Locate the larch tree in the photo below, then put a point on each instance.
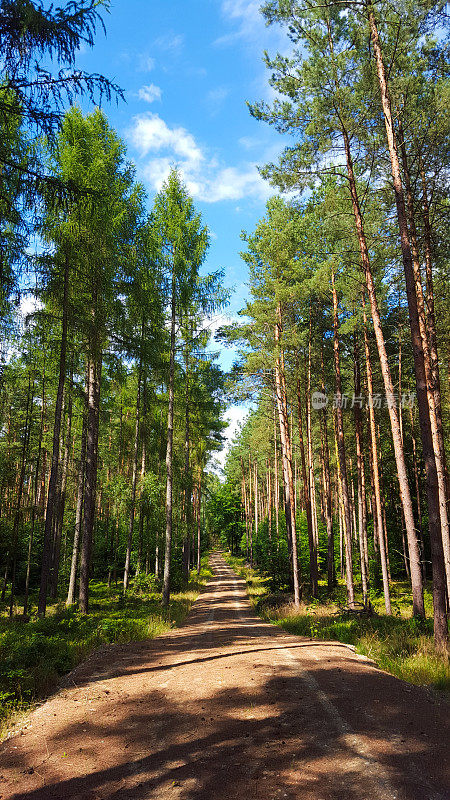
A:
(182, 243)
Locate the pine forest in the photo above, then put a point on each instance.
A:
(332, 497)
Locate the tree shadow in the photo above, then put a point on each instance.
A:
(293, 719)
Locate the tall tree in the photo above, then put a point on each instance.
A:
(182, 242)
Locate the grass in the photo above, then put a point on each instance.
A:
(398, 644)
(34, 655)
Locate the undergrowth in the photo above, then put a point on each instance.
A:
(399, 644)
(35, 654)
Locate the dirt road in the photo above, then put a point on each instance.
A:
(228, 707)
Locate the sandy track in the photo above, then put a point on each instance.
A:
(229, 707)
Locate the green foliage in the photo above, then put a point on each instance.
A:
(225, 517)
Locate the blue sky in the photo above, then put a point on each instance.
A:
(187, 70)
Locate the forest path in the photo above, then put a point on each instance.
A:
(229, 707)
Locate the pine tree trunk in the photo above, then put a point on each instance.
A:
(341, 453)
(400, 392)
(277, 483)
(437, 554)
(169, 451)
(269, 498)
(430, 375)
(35, 500)
(280, 388)
(312, 488)
(383, 513)
(431, 320)
(52, 487)
(305, 479)
(141, 504)
(59, 516)
(331, 572)
(90, 476)
(187, 483)
(157, 561)
(255, 484)
(405, 495)
(246, 509)
(416, 476)
(126, 572)
(251, 503)
(79, 507)
(199, 522)
(18, 512)
(362, 511)
(378, 516)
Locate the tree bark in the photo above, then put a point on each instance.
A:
(341, 451)
(362, 510)
(431, 320)
(126, 572)
(331, 573)
(305, 479)
(79, 507)
(52, 486)
(187, 480)
(378, 514)
(437, 554)
(280, 387)
(90, 478)
(405, 495)
(416, 476)
(61, 504)
(35, 499)
(199, 522)
(169, 451)
(277, 482)
(18, 512)
(430, 374)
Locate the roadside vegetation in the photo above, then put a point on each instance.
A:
(34, 655)
(399, 644)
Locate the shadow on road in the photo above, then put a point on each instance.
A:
(242, 711)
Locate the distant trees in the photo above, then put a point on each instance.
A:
(182, 242)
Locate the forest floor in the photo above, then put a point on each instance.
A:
(226, 707)
(35, 653)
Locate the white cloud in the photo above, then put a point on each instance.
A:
(150, 93)
(151, 133)
(205, 178)
(247, 15)
(250, 142)
(249, 29)
(233, 183)
(170, 42)
(216, 97)
(145, 63)
(218, 320)
(28, 305)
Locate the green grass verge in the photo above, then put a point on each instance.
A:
(35, 654)
(398, 644)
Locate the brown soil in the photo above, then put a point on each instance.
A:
(229, 707)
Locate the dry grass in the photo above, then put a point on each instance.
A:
(398, 644)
